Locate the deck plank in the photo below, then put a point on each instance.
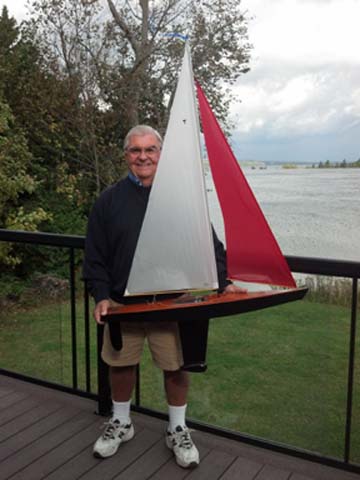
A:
(7, 400)
(26, 456)
(17, 409)
(47, 434)
(273, 473)
(26, 419)
(242, 468)
(215, 463)
(150, 462)
(296, 476)
(53, 459)
(170, 470)
(5, 391)
(42, 427)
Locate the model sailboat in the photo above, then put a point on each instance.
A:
(175, 250)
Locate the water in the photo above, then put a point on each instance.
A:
(312, 212)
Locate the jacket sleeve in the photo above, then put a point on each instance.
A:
(220, 256)
(95, 268)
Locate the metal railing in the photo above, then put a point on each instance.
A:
(72, 243)
(316, 266)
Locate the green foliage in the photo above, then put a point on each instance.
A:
(14, 161)
(15, 184)
(11, 286)
(329, 290)
(289, 166)
(343, 164)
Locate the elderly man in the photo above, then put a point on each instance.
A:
(113, 230)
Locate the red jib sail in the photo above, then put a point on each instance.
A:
(253, 254)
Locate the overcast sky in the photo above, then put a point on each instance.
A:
(301, 100)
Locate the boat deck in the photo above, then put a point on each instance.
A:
(49, 434)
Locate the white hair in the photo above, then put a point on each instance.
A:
(141, 130)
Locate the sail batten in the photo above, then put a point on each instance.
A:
(253, 254)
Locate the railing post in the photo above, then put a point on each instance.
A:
(104, 393)
(351, 371)
(73, 319)
(87, 338)
(137, 386)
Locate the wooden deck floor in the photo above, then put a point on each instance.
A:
(49, 434)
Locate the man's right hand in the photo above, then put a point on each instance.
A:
(101, 308)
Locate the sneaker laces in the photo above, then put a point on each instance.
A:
(185, 440)
(182, 438)
(110, 428)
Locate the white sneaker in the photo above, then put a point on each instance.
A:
(114, 434)
(180, 442)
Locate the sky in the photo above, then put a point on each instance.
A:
(301, 100)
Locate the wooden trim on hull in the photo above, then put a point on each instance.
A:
(208, 306)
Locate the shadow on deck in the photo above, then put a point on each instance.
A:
(49, 434)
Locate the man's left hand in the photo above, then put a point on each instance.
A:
(234, 289)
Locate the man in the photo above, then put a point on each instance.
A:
(113, 230)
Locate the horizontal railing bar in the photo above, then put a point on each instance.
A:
(324, 266)
(297, 264)
(42, 238)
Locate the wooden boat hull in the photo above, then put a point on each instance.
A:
(198, 310)
(208, 306)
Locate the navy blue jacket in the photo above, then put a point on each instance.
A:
(113, 230)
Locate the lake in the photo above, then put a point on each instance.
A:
(312, 212)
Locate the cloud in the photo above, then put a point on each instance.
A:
(304, 83)
(16, 8)
(294, 101)
(307, 31)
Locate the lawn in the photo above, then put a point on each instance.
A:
(280, 373)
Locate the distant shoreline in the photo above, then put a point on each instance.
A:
(289, 165)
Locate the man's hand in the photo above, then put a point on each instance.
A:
(101, 308)
(234, 289)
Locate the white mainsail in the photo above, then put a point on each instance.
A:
(175, 250)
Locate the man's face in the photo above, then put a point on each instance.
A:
(142, 156)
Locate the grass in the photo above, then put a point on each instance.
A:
(37, 341)
(279, 373)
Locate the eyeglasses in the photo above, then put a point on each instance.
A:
(135, 151)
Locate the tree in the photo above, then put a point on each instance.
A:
(218, 36)
(18, 184)
(123, 63)
(15, 183)
(44, 113)
(8, 32)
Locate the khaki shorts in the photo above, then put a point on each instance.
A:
(163, 340)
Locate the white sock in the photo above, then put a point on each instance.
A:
(176, 417)
(121, 411)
